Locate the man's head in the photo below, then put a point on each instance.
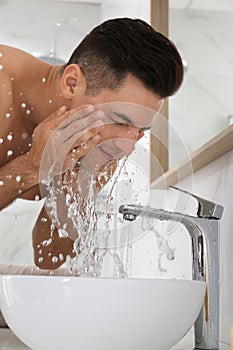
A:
(122, 60)
(121, 46)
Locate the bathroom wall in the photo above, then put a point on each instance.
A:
(43, 26)
(202, 31)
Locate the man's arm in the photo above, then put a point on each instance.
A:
(22, 172)
(50, 250)
(16, 177)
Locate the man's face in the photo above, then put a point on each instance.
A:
(128, 112)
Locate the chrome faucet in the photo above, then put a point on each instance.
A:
(204, 233)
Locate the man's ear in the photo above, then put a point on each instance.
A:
(73, 81)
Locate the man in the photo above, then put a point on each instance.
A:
(122, 60)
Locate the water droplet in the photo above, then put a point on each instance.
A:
(9, 152)
(23, 105)
(50, 101)
(47, 242)
(61, 257)
(0, 54)
(62, 233)
(54, 259)
(40, 260)
(18, 178)
(1, 66)
(24, 135)
(7, 115)
(37, 198)
(43, 220)
(43, 80)
(12, 78)
(40, 251)
(28, 111)
(1, 140)
(171, 256)
(9, 93)
(9, 137)
(1, 183)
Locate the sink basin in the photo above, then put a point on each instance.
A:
(57, 313)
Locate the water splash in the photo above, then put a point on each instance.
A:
(149, 224)
(79, 221)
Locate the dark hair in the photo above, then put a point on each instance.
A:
(124, 45)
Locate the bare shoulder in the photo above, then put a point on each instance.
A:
(15, 67)
(14, 61)
(6, 90)
(10, 115)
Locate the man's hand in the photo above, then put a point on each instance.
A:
(63, 138)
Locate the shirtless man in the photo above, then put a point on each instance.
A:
(121, 60)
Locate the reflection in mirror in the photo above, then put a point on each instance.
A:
(202, 31)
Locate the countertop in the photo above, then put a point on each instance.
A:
(8, 341)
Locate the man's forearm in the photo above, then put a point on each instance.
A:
(16, 177)
(52, 255)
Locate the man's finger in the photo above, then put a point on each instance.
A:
(73, 114)
(79, 137)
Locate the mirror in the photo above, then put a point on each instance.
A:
(202, 31)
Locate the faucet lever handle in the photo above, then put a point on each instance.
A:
(206, 209)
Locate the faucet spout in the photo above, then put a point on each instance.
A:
(204, 234)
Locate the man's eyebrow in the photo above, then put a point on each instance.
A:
(146, 128)
(124, 117)
(129, 121)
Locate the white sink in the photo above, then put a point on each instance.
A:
(58, 313)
